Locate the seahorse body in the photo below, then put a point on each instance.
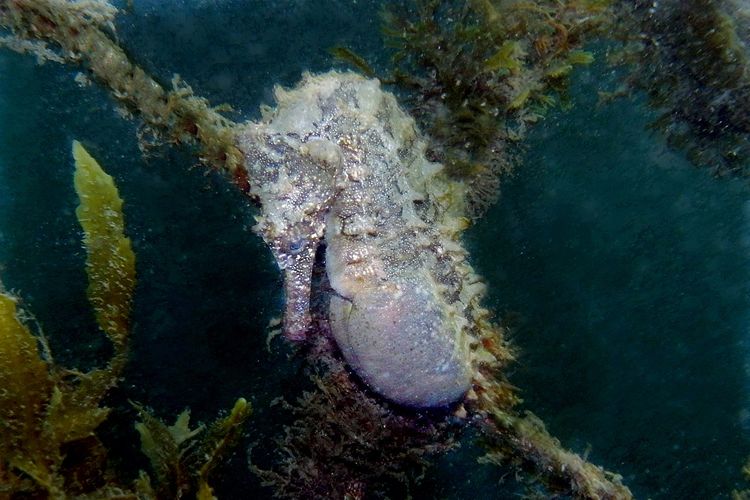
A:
(337, 159)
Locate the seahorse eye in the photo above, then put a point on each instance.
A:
(296, 246)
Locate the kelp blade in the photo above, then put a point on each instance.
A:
(25, 389)
(110, 261)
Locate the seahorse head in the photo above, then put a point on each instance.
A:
(295, 184)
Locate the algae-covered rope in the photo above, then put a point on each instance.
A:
(525, 440)
(83, 30)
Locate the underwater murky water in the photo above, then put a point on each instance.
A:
(627, 271)
(623, 269)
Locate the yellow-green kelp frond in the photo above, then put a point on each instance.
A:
(110, 261)
(220, 437)
(183, 458)
(347, 55)
(48, 414)
(745, 493)
(25, 392)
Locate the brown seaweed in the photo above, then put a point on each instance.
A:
(479, 73)
(690, 59)
(49, 414)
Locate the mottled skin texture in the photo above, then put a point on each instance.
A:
(337, 159)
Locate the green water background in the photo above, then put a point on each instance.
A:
(624, 268)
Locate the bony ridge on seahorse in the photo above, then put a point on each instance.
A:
(338, 160)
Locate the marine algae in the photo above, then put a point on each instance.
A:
(26, 460)
(110, 261)
(478, 74)
(691, 59)
(49, 414)
(183, 458)
(345, 444)
(47, 409)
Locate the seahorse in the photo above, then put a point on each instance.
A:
(338, 161)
